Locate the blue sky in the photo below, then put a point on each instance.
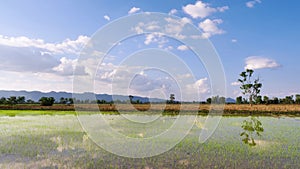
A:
(40, 40)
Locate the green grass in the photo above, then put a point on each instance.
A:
(13, 113)
(35, 141)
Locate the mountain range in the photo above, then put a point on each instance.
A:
(36, 95)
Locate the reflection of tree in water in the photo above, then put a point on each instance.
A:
(251, 128)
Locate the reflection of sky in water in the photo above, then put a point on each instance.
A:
(64, 136)
(149, 126)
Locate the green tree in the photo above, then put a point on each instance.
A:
(101, 101)
(208, 100)
(130, 98)
(249, 88)
(47, 101)
(287, 100)
(266, 99)
(275, 100)
(239, 100)
(71, 100)
(63, 100)
(29, 101)
(12, 100)
(3, 100)
(172, 98)
(258, 100)
(21, 100)
(245, 101)
(138, 101)
(297, 100)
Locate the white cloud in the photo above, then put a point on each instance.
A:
(45, 82)
(66, 47)
(145, 27)
(201, 9)
(181, 22)
(235, 83)
(149, 39)
(138, 29)
(151, 26)
(199, 88)
(182, 47)
(134, 10)
(23, 54)
(121, 79)
(173, 11)
(169, 48)
(175, 27)
(223, 8)
(210, 27)
(251, 4)
(108, 72)
(124, 79)
(258, 62)
(106, 17)
(184, 76)
(202, 85)
(23, 59)
(233, 40)
(67, 67)
(140, 81)
(154, 37)
(145, 83)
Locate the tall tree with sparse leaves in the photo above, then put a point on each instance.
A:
(250, 88)
(172, 98)
(130, 98)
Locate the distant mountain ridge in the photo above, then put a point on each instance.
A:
(36, 95)
(230, 100)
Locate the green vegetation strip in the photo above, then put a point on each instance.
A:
(12, 113)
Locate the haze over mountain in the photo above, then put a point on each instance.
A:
(36, 95)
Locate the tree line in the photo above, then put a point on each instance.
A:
(43, 101)
(49, 101)
(275, 100)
